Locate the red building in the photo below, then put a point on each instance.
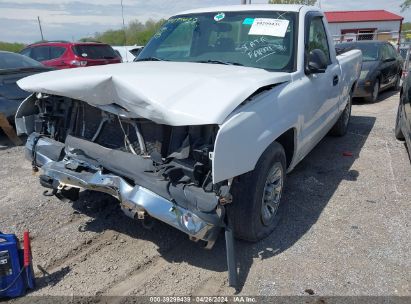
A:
(364, 25)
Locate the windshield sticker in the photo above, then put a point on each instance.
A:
(219, 17)
(248, 21)
(260, 48)
(183, 19)
(269, 27)
(160, 32)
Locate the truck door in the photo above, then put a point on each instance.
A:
(323, 88)
(389, 66)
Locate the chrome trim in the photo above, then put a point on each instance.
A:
(34, 141)
(133, 199)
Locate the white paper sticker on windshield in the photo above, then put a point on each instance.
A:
(269, 27)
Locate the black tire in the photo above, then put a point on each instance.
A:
(396, 86)
(341, 126)
(397, 131)
(375, 92)
(246, 211)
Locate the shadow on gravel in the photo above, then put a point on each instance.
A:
(50, 279)
(308, 190)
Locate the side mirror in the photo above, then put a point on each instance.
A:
(317, 62)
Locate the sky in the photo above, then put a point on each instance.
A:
(74, 19)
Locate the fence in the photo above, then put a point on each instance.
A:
(394, 37)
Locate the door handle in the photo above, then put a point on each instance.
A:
(335, 80)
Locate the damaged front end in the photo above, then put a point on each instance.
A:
(154, 170)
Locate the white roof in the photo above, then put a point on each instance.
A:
(127, 47)
(248, 7)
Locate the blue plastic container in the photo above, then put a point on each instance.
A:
(10, 267)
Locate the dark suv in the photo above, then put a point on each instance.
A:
(64, 55)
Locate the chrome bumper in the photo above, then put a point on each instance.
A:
(134, 199)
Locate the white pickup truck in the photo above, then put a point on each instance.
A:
(201, 130)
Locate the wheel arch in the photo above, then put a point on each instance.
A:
(229, 161)
(289, 141)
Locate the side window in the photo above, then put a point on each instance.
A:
(392, 51)
(56, 52)
(385, 52)
(40, 53)
(317, 37)
(26, 52)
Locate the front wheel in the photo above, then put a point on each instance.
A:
(396, 86)
(398, 132)
(375, 92)
(341, 126)
(253, 213)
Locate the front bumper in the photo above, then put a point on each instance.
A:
(136, 201)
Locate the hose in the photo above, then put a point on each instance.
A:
(14, 281)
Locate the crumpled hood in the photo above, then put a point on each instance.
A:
(172, 93)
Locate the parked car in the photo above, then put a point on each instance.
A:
(201, 130)
(405, 52)
(65, 55)
(403, 121)
(12, 68)
(128, 53)
(381, 68)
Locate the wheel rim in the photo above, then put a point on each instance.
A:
(397, 81)
(272, 194)
(375, 90)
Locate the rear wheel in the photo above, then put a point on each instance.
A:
(257, 195)
(397, 131)
(396, 85)
(375, 92)
(341, 126)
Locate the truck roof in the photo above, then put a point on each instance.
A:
(249, 7)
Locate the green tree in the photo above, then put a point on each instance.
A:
(405, 5)
(305, 2)
(135, 32)
(11, 47)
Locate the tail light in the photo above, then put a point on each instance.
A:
(404, 74)
(78, 63)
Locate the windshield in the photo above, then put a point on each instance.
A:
(251, 38)
(370, 51)
(17, 61)
(95, 51)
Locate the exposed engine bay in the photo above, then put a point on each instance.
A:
(82, 146)
(181, 151)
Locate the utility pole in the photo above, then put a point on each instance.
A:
(41, 31)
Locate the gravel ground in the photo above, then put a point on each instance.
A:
(345, 228)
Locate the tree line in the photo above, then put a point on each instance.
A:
(135, 32)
